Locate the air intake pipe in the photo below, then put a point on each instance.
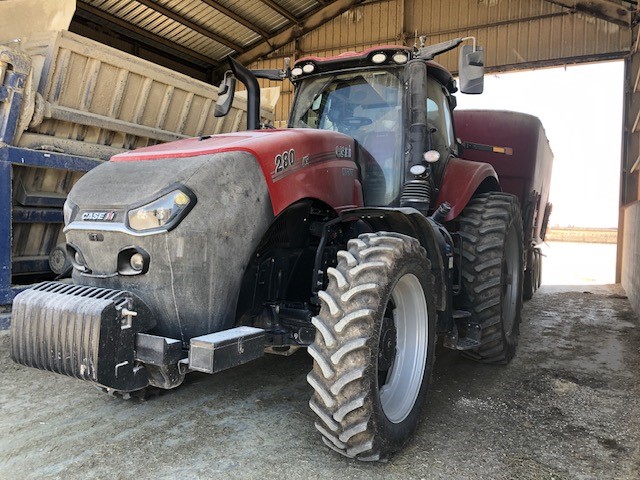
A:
(253, 93)
(416, 191)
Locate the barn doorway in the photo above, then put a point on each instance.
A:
(580, 107)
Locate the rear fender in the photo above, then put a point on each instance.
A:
(462, 179)
(409, 221)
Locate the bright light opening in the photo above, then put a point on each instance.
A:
(580, 108)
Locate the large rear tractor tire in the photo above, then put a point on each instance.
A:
(374, 347)
(492, 273)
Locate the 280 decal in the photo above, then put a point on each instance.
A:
(285, 160)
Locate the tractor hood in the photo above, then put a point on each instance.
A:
(260, 143)
(194, 263)
(194, 266)
(296, 162)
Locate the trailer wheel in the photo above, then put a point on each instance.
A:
(532, 275)
(538, 269)
(492, 273)
(530, 282)
(374, 347)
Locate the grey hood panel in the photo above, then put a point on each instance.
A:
(196, 269)
(120, 184)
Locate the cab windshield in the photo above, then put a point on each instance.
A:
(367, 106)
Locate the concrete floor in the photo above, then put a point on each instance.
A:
(566, 407)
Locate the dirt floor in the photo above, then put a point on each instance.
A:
(566, 407)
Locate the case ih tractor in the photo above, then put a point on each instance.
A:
(359, 233)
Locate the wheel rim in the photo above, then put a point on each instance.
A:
(510, 282)
(404, 378)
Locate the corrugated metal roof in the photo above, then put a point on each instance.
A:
(199, 34)
(210, 29)
(297, 7)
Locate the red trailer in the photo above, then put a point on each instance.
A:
(525, 171)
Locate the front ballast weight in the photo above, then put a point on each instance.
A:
(84, 332)
(96, 334)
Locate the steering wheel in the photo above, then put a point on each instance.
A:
(356, 122)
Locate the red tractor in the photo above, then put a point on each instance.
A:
(359, 233)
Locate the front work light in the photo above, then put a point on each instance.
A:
(378, 58)
(165, 212)
(400, 57)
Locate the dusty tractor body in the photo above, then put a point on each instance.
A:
(358, 233)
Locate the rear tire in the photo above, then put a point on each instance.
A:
(538, 269)
(532, 275)
(492, 273)
(374, 347)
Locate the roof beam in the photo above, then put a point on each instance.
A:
(603, 9)
(189, 24)
(274, 6)
(225, 11)
(313, 21)
(118, 25)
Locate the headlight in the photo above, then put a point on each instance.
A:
(67, 211)
(165, 212)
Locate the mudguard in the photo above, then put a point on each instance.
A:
(461, 180)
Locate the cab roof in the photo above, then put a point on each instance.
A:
(354, 60)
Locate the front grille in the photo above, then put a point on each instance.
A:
(79, 331)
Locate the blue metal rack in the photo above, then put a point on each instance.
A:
(14, 71)
(10, 157)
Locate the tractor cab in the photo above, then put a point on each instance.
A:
(395, 103)
(367, 106)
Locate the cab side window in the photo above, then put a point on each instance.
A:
(439, 120)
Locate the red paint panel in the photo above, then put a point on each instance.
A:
(528, 170)
(521, 172)
(316, 172)
(461, 179)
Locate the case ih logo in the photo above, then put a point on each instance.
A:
(99, 216)
(343, 151)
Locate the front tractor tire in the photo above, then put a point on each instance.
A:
(374, 347)
(492, 273)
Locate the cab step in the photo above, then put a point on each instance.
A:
(471, 330)
(466, 343)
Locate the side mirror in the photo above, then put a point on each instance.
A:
(226, 91)
(471, 69)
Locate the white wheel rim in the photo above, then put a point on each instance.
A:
(404, 380)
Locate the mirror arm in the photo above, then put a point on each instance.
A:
(473, 40)
(274, 73)
(428, 53)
